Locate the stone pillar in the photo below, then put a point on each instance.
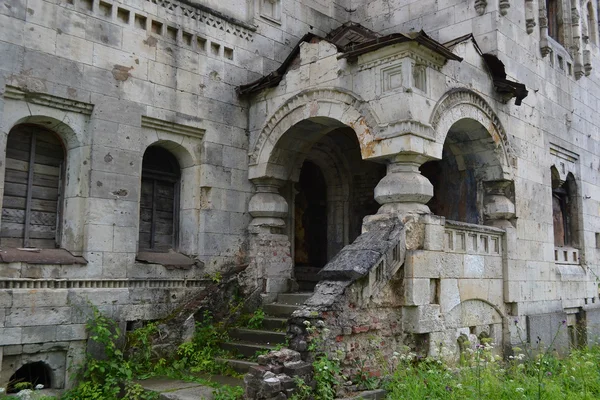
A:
(404, 190)
(271, 266)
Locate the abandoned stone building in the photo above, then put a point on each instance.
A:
(427, 170)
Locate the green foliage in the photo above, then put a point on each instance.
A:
(328, 377)
(302, 390)
(256, 320)
(110, 377)
(228, 393)
(141, 358)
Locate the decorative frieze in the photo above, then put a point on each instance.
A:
(100, 283)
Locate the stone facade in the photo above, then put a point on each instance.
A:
(480, 135)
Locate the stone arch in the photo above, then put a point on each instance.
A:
(473, 312)
(462, 104)
(326, 109)
(67, 134)
(34, 372)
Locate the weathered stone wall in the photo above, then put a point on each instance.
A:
(111, 78)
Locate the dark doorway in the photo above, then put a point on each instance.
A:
(36, 373)
(310, 225)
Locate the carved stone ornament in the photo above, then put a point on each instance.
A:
(504, 6)
(480, 6)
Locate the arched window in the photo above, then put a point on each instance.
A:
(159, 201)
(564, 210)
(553, 13)
(33, 183)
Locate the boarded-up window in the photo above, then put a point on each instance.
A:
(159, 201)
(32, 188)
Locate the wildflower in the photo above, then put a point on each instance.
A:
(520, 389)
(306, 323)
(516, 321)
(396, 354)
(459, 386)
(448, 388)
(564, 321)
(39, 386)
(548, 373)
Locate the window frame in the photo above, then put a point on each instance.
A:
(36, 130)
(157, 176)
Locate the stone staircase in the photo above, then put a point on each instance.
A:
(244, 343)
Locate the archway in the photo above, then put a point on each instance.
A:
(35, 373)
(469, 159)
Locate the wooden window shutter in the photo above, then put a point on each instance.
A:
(32, 199)
(159, 201)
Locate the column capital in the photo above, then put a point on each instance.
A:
(267, 207)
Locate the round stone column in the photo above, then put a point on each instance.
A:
(267, 207)
(404, 190)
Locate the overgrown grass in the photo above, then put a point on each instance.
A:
(483, 376)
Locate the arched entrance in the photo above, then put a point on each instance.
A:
(331, 192)
(469, 160)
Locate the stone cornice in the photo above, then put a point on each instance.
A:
(172, 127)
(407, 127)
(48, 100)
(395, 52)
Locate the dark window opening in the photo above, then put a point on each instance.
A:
(159, 201)
(36, 373)
(553, 19)
(563, 210)
(33, 183)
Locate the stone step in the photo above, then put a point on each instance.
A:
(280, 310)
(239, 366)
(246, 349)
(257, 336)
(275, 324)
(295, 299)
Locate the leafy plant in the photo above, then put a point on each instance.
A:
(228, 393)
(256, 320)
(108, 378)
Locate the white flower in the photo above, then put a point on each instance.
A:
(520, 390)
(306, 323)
(39, 386)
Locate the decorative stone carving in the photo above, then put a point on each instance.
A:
(498, 206)
(504, 6)
(529, 16)
(587, 62)
(480, 6)
(543, 15)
